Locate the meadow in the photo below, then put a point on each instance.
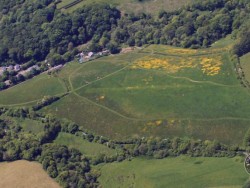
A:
(174, 172)
(31, 91)
(24, 174)
(85, 147)
(154, 91)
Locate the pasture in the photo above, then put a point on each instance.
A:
(148, 6)
(85, 147)
(174, 172)
(25, 174)
(30, 91)
(154, 91)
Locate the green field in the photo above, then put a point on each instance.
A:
(85, 147)
(155, 91)
(117, 100)
(174, 172)
(32, 90)
(148, 6)
(245, 63)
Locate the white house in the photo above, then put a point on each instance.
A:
(17, 67)
(90, 54)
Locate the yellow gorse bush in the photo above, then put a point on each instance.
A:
(211, 66)
(165, 64)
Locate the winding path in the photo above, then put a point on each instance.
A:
(72, 90)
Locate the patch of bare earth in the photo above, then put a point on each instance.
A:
(126, 50)
(25, 174)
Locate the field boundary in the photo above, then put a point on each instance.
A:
(71, 4)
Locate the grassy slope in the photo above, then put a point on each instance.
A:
(87, 148)
(216, 101)
(245, 63)
(111, 98)
(24, 174)
(32, 90)
(148, 6)
(174, 172)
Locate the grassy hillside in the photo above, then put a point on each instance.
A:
(159, 90)
(174, 172)
(32, 90)
(135, 6)
(155, 91)
(24, 174)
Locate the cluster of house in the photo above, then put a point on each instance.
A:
(17, 68)
(83, 57)
(25, 72)
(10, 68)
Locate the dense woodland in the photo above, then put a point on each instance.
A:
(35, 30)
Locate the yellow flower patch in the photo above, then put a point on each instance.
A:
(211, 66)
(100, 98)
(154, 123)
(164, 64)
